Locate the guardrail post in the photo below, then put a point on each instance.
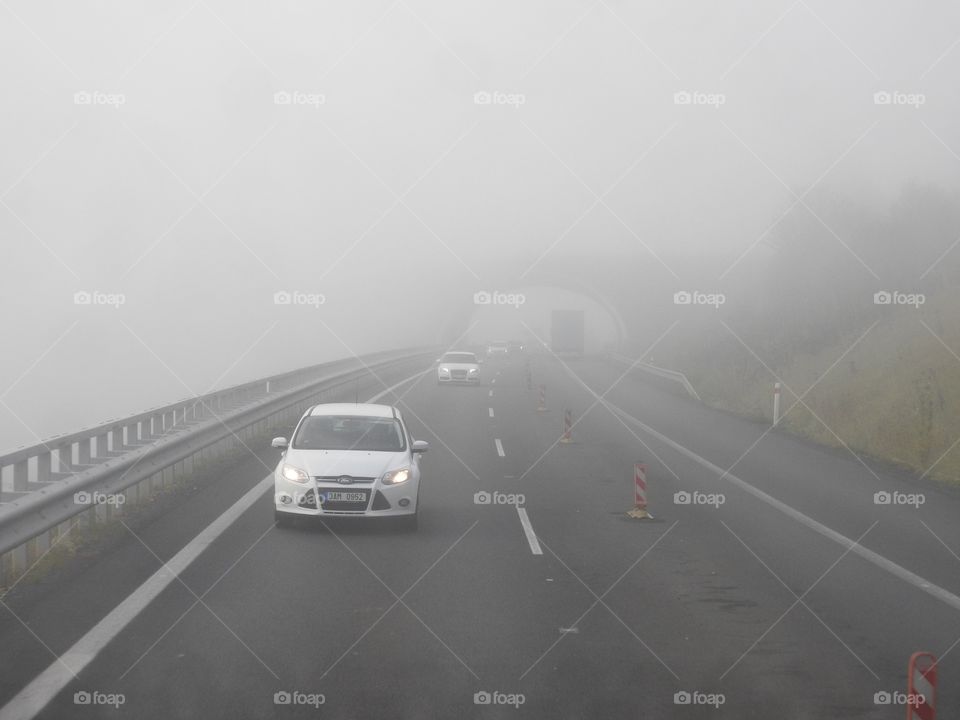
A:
(43, 466)
(83, 452)
(116, 439)
(21, 474)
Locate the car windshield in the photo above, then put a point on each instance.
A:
(459, 357)
(371, 434)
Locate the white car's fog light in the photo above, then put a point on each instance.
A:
(404, 502)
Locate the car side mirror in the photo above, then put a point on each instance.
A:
(279, 442)
(420, 446)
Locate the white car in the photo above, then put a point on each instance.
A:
(349, 460)
(458, 367)
(497, 348)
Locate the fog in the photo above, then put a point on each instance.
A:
(642, 149)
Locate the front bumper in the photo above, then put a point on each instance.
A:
(378, 501)
(468, 380)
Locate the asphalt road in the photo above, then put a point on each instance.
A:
(572, 610)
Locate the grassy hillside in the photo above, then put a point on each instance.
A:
(895, 395)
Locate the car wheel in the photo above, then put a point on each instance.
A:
(284, 520)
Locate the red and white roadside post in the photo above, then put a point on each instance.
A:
(922, 687)
(542, 407)
(567, 427)
(776, 403)
(639, 492)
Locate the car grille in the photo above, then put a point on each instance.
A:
(336, 478)
(458, 374)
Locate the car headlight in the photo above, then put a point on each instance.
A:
(395, 477)
(295, 474)
(474, 371)
(445, 370)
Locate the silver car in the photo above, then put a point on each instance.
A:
(349, 460)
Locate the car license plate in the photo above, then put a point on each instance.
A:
(337, 495)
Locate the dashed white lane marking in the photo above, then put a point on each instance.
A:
(490, 394)
(496, 441)
(880, 561)
(491, 411)
(528, 531)
(47, 685)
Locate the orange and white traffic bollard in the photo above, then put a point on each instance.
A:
(542, 407)
(567, 427)
(639, 493)
(922, 687)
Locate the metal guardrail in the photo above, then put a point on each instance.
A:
(673, 375)
(33, 521)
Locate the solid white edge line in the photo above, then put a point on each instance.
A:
(496, 441)
(36, 696)
(528, 531)
(880, 561)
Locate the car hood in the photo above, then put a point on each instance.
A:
(358, 463)
(460, 366)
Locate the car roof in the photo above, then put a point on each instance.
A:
(459, 352)
(354, 409)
